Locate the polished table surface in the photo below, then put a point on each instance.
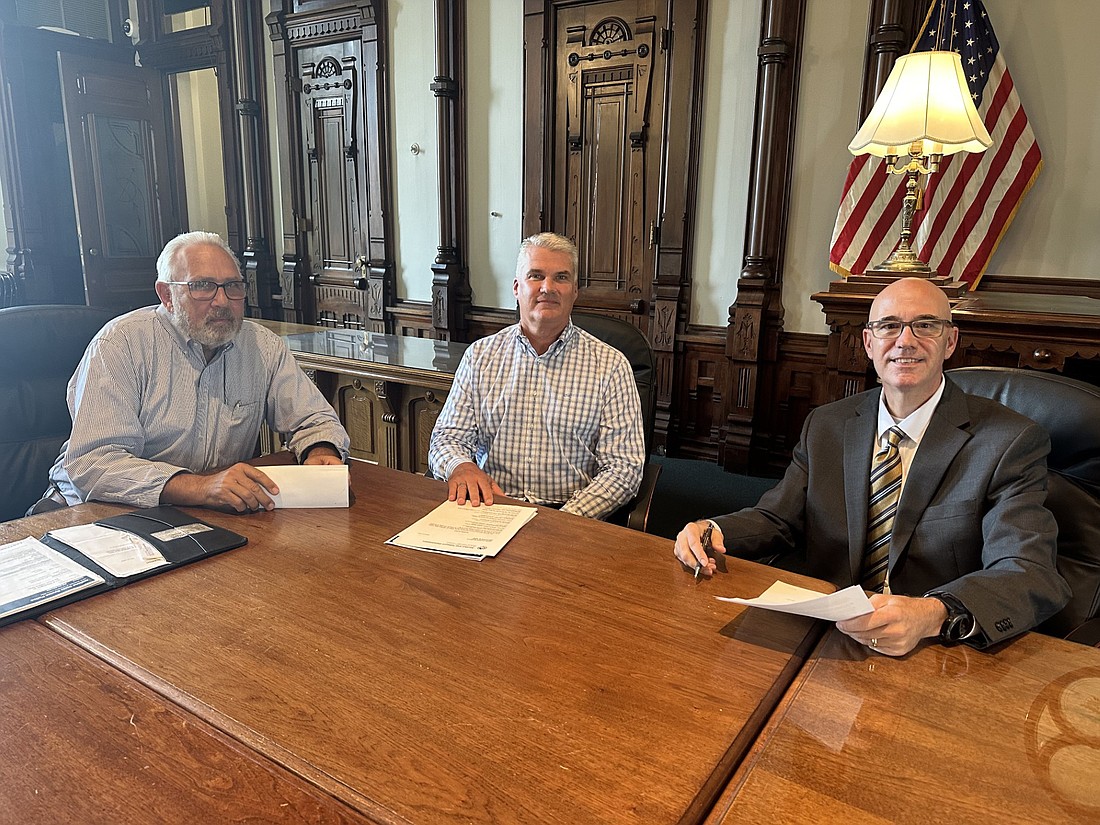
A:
(423, 361)
(580, 676)
(81, 742)
(944, 735)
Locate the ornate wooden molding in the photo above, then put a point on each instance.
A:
(450, 274)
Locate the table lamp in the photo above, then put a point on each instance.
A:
(923, 112)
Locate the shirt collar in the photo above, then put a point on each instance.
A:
(568, 335)
(913, 425)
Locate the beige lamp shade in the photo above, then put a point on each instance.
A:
(925, 100)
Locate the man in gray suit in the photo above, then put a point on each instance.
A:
(970, 556)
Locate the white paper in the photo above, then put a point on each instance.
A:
(465, 530)
(834, 607)
(309, 485)
(120, 553)
(33, 574)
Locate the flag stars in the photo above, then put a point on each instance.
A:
(970, 42)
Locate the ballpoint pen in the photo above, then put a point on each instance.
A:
(705, 541)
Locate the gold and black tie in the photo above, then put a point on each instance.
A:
(885, 492)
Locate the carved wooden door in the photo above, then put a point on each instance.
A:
(114, 123)
(607, 147)
(332, 123)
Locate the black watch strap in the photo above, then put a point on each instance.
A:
(959, 623)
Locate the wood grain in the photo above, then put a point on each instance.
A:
(944, 735)
(581, 676)
(81, 742)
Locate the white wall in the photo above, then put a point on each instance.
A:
(1047, 46)
(729, 94)
(828, 107)
(416, 177)
(494, 109)
(1050, 52)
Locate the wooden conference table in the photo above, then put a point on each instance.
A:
(580, 676)
(947, 734)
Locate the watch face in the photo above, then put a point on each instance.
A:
(958, 626)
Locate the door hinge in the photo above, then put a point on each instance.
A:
(654, 234)
(666, 39)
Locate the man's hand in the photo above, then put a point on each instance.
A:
(689, 547)
(323, 454)
(470, 483)
(242, 488)
(897, 624)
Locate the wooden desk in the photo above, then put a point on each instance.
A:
(81, 742)
(946, 735)
(387, 389)
(581, 676)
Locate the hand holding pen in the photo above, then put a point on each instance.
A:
(696, 545)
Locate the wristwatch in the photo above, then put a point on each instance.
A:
(959, 623)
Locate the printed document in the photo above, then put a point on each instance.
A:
(119, 553)
(33, 574)
(834, 607)
(464, 530)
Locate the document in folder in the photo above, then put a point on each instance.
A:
(464, 530)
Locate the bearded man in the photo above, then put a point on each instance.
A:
(168, 400)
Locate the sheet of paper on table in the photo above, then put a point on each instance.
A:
(309, 485)
(465, 531)
(834, 607)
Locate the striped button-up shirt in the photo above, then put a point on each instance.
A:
(564, 427)
(146, 405)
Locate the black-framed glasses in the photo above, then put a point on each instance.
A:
(922, 327)
(206, 290)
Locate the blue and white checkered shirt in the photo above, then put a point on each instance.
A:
(565, 426)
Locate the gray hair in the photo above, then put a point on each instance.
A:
(547, 240)
(166, 263)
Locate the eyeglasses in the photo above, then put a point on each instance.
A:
(206, 290)
(922, 328)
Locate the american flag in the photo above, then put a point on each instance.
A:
(970, 202)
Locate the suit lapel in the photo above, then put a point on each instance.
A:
(941, 443)
(859, 439)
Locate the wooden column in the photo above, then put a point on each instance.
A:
(756, 316)
(263, 281)
(287, 86)
(450, 274)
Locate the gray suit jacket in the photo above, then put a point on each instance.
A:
(971, 520)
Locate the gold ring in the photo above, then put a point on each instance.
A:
(874, 642)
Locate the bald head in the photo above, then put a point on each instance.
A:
(910, 365)
(918, 292)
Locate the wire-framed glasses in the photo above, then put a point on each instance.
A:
(922, 327)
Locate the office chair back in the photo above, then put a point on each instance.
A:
(629, 340)
(1069, 411)
(40, 347)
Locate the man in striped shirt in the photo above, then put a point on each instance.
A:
(542, 411)
(168, 400)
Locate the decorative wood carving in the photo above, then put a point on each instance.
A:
(337, 200)
(612, 106)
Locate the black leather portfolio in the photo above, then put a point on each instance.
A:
(33, 579)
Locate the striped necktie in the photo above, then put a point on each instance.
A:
(885, 492)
